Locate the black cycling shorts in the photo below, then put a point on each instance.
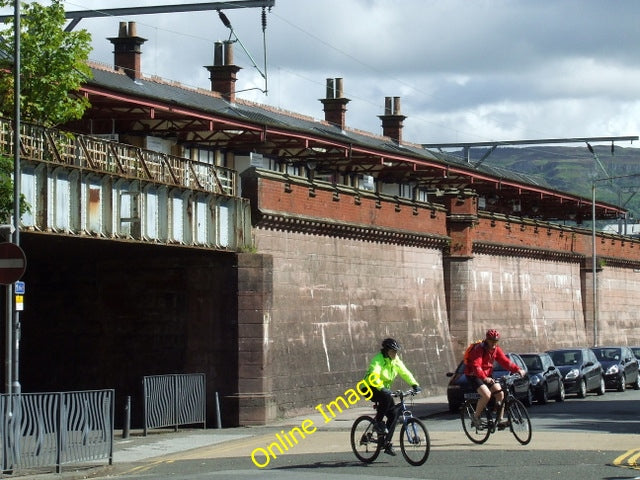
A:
(475, 382)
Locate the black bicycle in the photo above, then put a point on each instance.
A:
(517, 417)
(415, 443)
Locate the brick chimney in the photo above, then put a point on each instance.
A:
(335, 105)
(392, 119)
(126, 49)
(223, 73)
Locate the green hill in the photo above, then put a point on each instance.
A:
(573, 169)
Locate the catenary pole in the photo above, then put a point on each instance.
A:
(15, 317)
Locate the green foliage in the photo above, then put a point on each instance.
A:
(6, 191)
(53, 65)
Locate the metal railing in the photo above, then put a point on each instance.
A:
(54, 429)
(50, 145)
(173, 400)
(83, 185)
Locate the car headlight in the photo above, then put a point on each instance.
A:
(612, 370)
(535, 380)
(572, 374)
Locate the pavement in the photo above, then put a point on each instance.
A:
(163, 443)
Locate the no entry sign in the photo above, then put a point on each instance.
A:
(12, 263)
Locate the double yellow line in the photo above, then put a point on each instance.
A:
(628, 459)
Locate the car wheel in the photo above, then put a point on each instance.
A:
(601, 388)
(622, 383)
(543, 397)
(560, 397)
(529, 400)
(582, 389)
(636, 384)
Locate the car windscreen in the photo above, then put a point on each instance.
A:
(607, 354)
(564, 358)
(533, 362)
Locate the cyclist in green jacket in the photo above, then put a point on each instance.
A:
(387, 365)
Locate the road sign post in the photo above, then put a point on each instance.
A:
(12, 266)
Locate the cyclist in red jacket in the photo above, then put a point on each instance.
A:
(479, 369)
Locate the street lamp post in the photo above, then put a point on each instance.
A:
(594, 265)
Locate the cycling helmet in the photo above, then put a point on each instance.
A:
(390, 344)
(493, 334)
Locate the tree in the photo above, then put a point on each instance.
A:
(53, 65)
(6, 192)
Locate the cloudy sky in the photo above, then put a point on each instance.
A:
(466, 71)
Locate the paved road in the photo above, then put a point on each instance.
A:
(593, 438)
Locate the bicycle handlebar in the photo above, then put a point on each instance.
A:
(508, 378)
(405, 393)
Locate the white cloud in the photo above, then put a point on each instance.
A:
(466, 71)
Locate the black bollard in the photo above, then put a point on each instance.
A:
(127, 418)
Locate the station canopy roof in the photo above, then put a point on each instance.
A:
(204, 119)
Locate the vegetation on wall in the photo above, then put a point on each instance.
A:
(6, 191)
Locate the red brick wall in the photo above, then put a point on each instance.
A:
(341, 205)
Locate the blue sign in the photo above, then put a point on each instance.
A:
(19, 288)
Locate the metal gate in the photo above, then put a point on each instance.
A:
(173, 400)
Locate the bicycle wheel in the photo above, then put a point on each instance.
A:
(415, 443)
(364, 440)
(476, 434)
(519, 422)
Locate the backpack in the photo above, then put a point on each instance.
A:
(465, 358)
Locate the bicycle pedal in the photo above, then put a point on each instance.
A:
(502, 425)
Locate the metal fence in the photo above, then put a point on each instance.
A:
(173, 400)
(54, 429)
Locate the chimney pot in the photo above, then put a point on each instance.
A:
(388, 106)
(330, 88)
(133, 31)
(228, 53)
(217, 54)
(396, 105)
(339, 93)
(122, 30)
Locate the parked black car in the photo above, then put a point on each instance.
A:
(636, 352)
(458, 385)
(546, 379)
(581, 370)
(620, 367)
